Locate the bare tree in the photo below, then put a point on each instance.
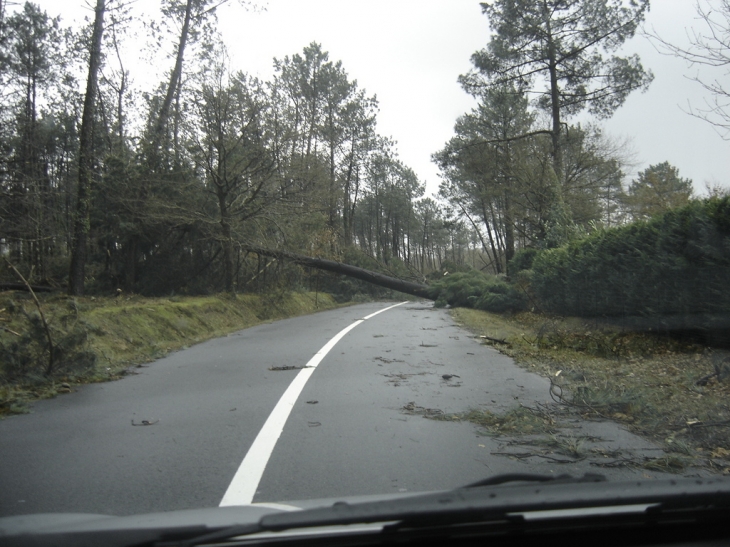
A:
(709, 46)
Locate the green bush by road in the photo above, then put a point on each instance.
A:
(674, 268)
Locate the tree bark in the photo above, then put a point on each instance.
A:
(415, 289)
(86, 150)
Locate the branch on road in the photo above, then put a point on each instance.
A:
(146, 422)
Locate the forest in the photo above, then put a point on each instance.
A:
(181, 189)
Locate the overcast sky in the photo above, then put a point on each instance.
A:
(410, 52)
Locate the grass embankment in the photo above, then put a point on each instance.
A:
(112, 334)
(656, 386)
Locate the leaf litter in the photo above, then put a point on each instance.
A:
(672, 392)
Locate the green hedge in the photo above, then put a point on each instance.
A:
(675, 266)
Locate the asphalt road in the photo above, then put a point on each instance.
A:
(356, 428)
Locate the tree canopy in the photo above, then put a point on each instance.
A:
(213, 180)
(561, 54)
(657, 189)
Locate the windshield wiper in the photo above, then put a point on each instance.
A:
(492, 500)
(532, 477)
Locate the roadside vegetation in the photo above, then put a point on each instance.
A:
(630, 324)
(674, 392)
(535, 219)
(95, 339)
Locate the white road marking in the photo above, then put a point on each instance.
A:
(246, 480)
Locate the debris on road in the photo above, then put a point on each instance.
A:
(413, 408)
(146, 422)
(384, 360)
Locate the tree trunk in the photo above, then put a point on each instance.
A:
(555, 107)
(495, 253)
(415, 289)
(175, 77)
(130, 263)
(227, 245)
(86, 145)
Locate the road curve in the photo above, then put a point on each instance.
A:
(357, 427)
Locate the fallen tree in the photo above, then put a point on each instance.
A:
(24, 287)
(408, 287)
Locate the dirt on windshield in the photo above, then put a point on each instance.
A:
(673, 394)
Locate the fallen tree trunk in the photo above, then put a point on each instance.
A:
(23, 287)
(415, 289)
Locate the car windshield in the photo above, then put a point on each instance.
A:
(268, 252)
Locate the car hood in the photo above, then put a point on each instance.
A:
(204, 518)
(572, 497)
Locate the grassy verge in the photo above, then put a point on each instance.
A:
(112, 334)
(647, 382)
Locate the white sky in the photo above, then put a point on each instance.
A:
(410, 52)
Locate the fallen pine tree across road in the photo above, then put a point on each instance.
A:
(408, 287)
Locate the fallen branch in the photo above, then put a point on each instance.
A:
(51, 348)
(720, 373)
(705, 379)
(518, 455)
(24, 287)
(622, 462)
(524, 455)
(724, 423)
(557, 396)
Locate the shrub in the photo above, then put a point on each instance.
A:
(27, 356)
(522, 260)
(673, 269)
(474, 289)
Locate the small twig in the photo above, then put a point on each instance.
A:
(706, 379)
(6, 329)
(497, 340)
(146, 422)
(558, 398)
(544, 414)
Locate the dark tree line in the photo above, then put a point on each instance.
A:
(181, 188)
(171, 190)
